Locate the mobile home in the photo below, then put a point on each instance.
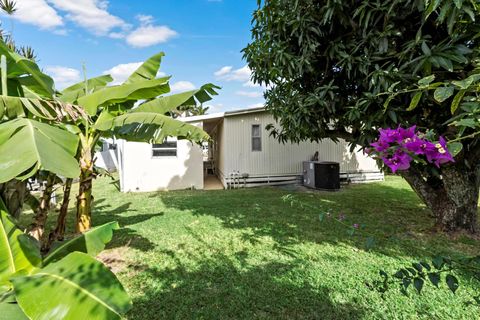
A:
(241, 153)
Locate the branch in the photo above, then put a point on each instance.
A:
(342, 134)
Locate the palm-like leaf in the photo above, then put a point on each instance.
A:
(36, 145)
(76, 287)
(14, 107)
(148, 70)
(149, 126)
(34, 79)
(146, 89)
(91, 242)
(11, 310)
(166, 104)
(72, 93)
(18, 251)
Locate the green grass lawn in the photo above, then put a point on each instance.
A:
(246, 254)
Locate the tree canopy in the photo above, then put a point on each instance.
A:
(346, 68)
(327, 62)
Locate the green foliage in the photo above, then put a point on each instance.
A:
(145, 89)
(441, 270)
(328, 64)
(91, 242)
(17, 249)
(36, 145)
(76, 287)
(26, 72)
(112, 110)
(69, 284)
(30, 122)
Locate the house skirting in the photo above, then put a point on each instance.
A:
(237, 181)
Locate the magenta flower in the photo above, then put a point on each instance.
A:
(388, 135)
(440, 154)
(404, 135)
(380, 146)
(356, 226)
(399, 161)
(398, 147)
(419, 146)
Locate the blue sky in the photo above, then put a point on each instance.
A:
(202, 40)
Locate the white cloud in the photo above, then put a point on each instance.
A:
(182, 86)
(249, 94)
(229, 74)
(63, 76)
(90, 14)
(223, 71)
(116, 35)
(93, 16)
(122, 71)
(38, 13)
(145, 19)
(149, 35)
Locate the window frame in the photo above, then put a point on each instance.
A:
(164, 147)
(259, 137)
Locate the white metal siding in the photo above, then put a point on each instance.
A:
(221, 155)
(140, 171)
(278, 159)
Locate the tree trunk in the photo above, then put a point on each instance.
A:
(453, 198)
(85, 199)
(37, 228)
(13, 194)
(59, 233)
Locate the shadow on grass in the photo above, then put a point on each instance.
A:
(221, 288)
(396, 217)
(125, 236)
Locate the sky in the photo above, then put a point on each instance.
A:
(202, 40)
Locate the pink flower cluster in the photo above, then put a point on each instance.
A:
(398, 147)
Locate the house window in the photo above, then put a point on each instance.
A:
(166, 149)
(256, 138)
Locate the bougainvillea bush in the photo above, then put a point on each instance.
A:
(397, 148)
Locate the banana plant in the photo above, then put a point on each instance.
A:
(31, 122)
(77, 285)
(32, 127)
(136, 110)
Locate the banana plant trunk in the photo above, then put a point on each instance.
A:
(37, 228)
(87, 174)
(13, 194)
(58, 234)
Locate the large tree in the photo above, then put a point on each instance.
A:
(328, 65)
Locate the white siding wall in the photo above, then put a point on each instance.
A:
(278, 159)
(140, 172)
(221, 156)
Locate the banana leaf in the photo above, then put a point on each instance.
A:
(139, 90)
(11, 310)
(150, 127)
(72, 93)
(14, 107)
(35, 146)
(165, 104)
(76, 287)
(18, 251)
(148, 70)
(17, 66)
(91, 242)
